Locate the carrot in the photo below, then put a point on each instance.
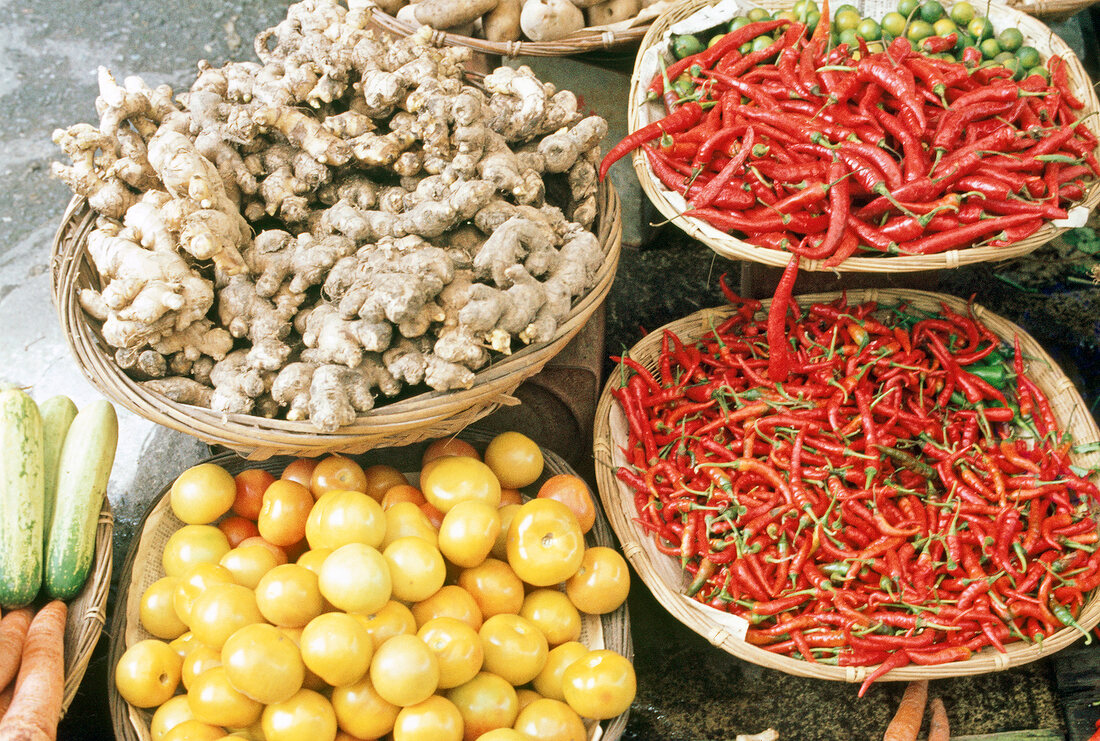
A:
(906, 722)
(938, 729)
(36, 704)
(5, 699)
(13, 631)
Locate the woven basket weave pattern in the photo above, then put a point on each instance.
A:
(663, 576)
(672, 205)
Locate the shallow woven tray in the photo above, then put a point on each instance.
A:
(88, 610)
(421, 417)
(672, 204)
(662, 574)
(143, 566)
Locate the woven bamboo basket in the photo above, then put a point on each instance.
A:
(1051, 10)
(88, 610)
(143, 566)
(671, 204)
(420, 417)
(662, 574)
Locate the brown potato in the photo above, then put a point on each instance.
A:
(612, 11)
(549, 20)
(444, 14)
(502, 22)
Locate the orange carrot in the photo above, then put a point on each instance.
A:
(5, 699)
(13, 631)
(36, 704)
(938, 729)
(906, 723)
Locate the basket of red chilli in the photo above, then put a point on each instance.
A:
(915, 499)
(966, 140)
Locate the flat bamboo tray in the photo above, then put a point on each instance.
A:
(88, 610)
(421, 417)
(662, 573)
(143, 566)
(671, 204)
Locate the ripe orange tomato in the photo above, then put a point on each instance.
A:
(402, 493)
(602, 582)
(486, 702)
(380, 479)
(202, 494)
(545, 544)
(494, 586)
(514, 648)
(192, 545)
(337, 473)
(300, 470)
(148, 673)
(251, 485)
(392, 619)
(453, 479)
(435, 517)
(573, 493)
(289, 596)
(342, 516)
(450, 601)
(548, 681)
(214, 700)
(356, 578)
(600, 684)
(277, 551)
(361, 711)
(434, 719)
(446, 446)
(306, 716)
(515, 459)
(263, 663)
(404, 671)
(550, 720)
(553, 614)
(283, 516)
(510, 496)
(468, 531)
(456, 646)
(238, 528)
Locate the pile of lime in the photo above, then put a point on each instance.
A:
(917, 21)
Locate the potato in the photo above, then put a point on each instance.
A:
(386, 6)
(443, 14)
(407, 14)
(586, 3)
(612, 11)
(549, 20)
(502, 22)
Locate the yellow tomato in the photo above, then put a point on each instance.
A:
(548, 682)
(404, 671)
(337, 473)
(554, 615)
(202, 494)
(248, 563)
(405, 519)
(340, 517)
(446, 446)
(502, 734)
(457, 648)
(278, 551)
(221, 611)
(602, 582)
(168, 716)
(380, 479)
(307, 716)
(545, 544)
(457, 479)
(184, 644)
(284, 512)
(289, 595)
(468, 532)
(486, 702)
(450, 601)
(194, 730)
(361, 711)
(550, 720)
(526, 696)
(337, 648)
(156, 611)
(311, 681)
(148, 673)
(355, 578)
(402, 493)
(214, 700)
(500, 545)
(510, 496)
(515, 459)
(197, 661)
(194, 582)
(434, 719)
(313, 558)
(600, 684)
(392, 619)
(417, 570)
(192, 545)
(494, 586)
(573, 493)
(514, 648)
(263, 663)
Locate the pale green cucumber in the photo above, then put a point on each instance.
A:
(58, 413)
(21, 498)
(84, 469)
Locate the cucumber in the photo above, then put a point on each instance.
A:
(22, 489)
(57, 414)
(85, 466)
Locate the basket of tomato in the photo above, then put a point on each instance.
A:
(299, 598)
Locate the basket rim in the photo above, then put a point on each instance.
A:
(638, 548)
(437, 412)
(125, 718)
(671, 205)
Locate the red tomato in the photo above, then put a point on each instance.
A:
(285, 512)
(300, 470)
(251, 485)
(237, 529)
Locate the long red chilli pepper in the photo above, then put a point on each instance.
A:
(779, 357)
(681, 119)
(712, 189)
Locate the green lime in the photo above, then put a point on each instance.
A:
(850, 37)
(1013, 64)
(745, 48)
(1010, 39)
(980, 28)
(919, 30)
(844, 7)
(760, 43)
(990, 48)
(834, 39)
(962, 13)
(684, 87)
(715, 39)
(799, 8)
(1029, 57)
(946, 56)
(847, 19)
(739, 22)
(758, 14)
(1042, 72)
(945, 27)
(1003, 57)
(787, 15)
(812, 19)
(893, 23)
(964, 41)
(931, 11)
(869, 30)
(686, 45)
(906, 7)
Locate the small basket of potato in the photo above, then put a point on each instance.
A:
(548, 28)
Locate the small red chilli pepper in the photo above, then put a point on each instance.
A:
(681, 119)
(779, 350)
(712, 189)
